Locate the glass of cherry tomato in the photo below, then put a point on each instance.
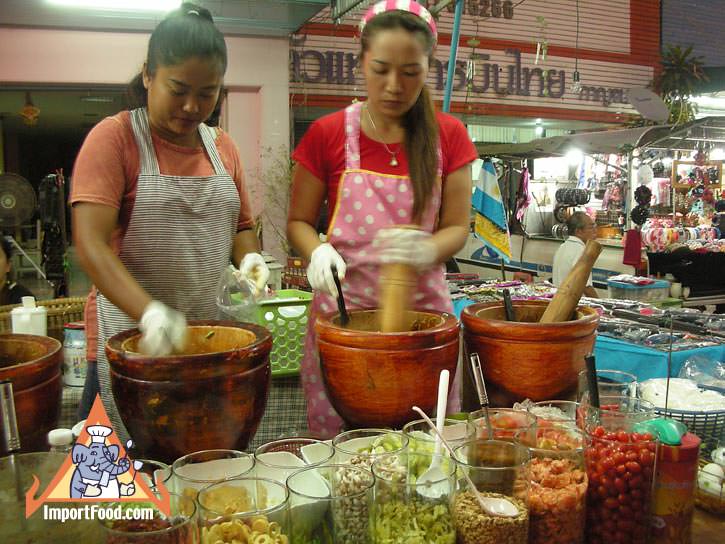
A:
(620, 466)
(507, 424)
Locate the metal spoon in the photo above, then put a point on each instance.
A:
(493, 506)
(481, 390)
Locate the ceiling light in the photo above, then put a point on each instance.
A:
(667, 162)
(539, 130)
(717, 154)
(103, 99)
(124, 5)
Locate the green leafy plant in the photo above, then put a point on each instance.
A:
(677, 80)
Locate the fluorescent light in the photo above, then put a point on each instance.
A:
(539, 130)
(103, 99)
(124, 5)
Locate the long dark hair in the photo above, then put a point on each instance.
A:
(186, 32)
(421, 127)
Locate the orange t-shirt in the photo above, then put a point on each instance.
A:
(106, 172)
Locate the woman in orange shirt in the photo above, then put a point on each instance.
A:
(159, 200)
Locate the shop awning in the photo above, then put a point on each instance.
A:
(682, 137)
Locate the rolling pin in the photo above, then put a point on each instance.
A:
(397, 285)
(570, 291)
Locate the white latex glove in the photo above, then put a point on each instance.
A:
(254, 269)
(406, 246)
(319, 271)
(163, 328)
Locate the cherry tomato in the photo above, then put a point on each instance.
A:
(646, 458)
(620, 484)
(647, 436)
(611, 503)
(599, 431)
(623, 437)
(636, 493)
(621, 469)
(634, 467)
(636, 482)
(632, 456)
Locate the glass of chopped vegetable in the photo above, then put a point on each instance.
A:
(362, 446)
(555, 411)
(331, 504)
(422, 439)
(506, 423)
(407, 509)
(557, 499)
(233, 510)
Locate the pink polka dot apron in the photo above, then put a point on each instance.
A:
(367, 202)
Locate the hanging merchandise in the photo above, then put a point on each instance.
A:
(645, 174)
(640, 214)
(491, 222)
(523, 197)
(643, 195)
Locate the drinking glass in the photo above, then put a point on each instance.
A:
(506, 423)
(231, 510)
(331, 504)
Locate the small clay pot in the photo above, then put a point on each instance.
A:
(32, 363)
(375, 381)
(527, 359)
(201, 400)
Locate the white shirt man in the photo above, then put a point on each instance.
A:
(581, 229)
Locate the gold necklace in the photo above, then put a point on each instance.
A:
(393, 154)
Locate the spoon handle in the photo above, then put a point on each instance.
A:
(441, 408)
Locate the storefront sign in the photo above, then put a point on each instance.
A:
(492, 78)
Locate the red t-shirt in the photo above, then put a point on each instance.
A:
(322, 150)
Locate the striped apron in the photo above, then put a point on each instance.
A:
(178, 242)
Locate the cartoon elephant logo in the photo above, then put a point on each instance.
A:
(98, 467)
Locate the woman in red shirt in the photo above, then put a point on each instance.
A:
(391, 160)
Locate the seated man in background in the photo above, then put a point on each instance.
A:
(581, 228)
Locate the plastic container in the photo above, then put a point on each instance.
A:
(674, 492)
(285, 316)
(658, 290)
(61, 440)
(192, 472)
(408, 510)
(499, 470)
(29, 318)
(75, 364)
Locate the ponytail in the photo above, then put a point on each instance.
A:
(421, 146)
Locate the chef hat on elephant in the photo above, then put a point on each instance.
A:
(99, 433)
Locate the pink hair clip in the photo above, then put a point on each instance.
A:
(404, 5)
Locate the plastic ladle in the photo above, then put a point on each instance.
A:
(492, 506)
(432, 483)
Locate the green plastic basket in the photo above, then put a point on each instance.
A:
(286, 318)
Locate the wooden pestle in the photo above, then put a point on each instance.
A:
(397, 286)
(570, 291)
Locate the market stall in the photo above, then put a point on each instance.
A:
(591, 172)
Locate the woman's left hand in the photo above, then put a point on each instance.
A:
(406, 246)
(256, 270)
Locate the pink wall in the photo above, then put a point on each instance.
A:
(257, 115)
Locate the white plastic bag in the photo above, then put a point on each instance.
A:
(235, 298)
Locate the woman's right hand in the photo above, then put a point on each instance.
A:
(319, 272)
(163, 328)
